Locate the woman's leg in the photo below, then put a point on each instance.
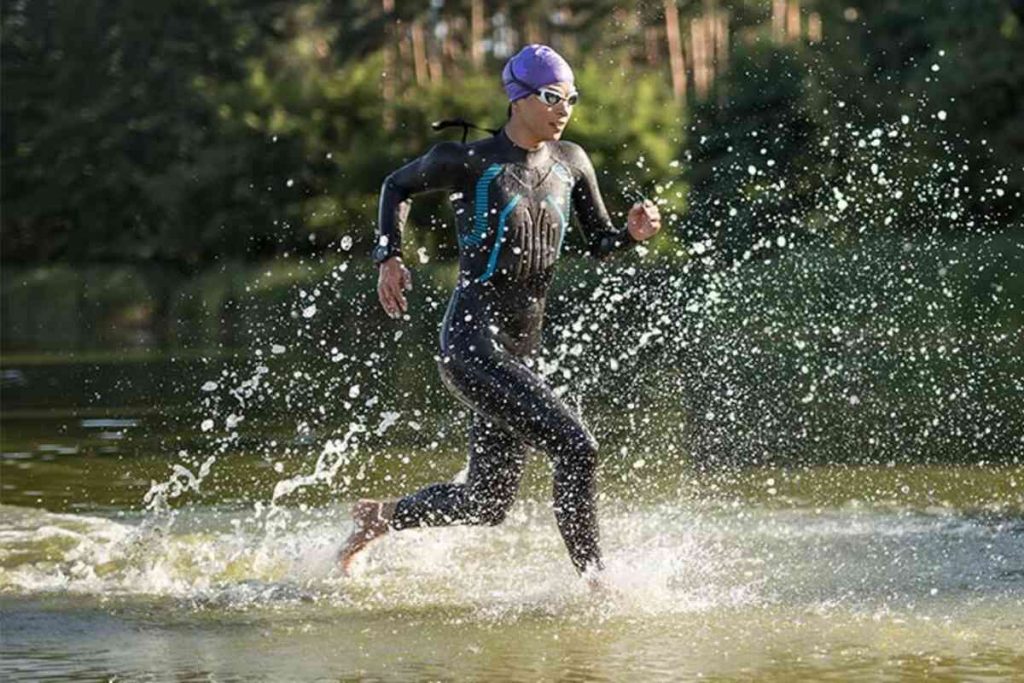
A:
(500, 387)
(495, 468)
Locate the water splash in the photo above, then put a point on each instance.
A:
(663, 560)
(869, 317)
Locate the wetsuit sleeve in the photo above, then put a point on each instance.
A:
(602, 236)
(440, 168)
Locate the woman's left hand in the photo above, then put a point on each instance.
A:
(644, 220)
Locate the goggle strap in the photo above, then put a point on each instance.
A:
(464, 124)
(535, 91)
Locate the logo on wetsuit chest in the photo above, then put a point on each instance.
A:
(519, 220)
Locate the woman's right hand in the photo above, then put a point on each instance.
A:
(393, 279)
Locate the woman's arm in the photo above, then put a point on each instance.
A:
(440, 168)
(601, 235)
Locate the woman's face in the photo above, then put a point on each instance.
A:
(546, 122)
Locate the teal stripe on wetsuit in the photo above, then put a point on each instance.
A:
(481, 203)
(561, 219)
(566, 175)
(492, 263)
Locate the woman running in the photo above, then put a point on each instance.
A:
(513, 194)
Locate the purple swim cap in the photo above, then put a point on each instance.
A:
(534, 66)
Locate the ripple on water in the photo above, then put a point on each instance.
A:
(769, 593)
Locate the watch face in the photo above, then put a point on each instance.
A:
(380, 252)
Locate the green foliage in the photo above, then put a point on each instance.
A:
(188, 133)
(876, 129)
(761, 118)
(358, 150)
(918, 58)
(109, 150)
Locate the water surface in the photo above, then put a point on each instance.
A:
(857, 573)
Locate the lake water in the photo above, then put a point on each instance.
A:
(869, 573)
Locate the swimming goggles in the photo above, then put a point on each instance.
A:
(548, 96)
(552, 98)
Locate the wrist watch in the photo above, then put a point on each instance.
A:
(382, 252)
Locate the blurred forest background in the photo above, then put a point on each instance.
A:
(178, 136)
(172, 172)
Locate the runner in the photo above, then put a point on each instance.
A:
(513, 194)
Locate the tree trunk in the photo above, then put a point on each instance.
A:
(435, 65)
(388, 82)
(419, 54)
(533, 34)
(721, 50)
(675, 50)
(701, 71)
(793, 30)
(476, 32)
(405, 58)
(651, 45)
(779, 21)
(161, 281)
(723, 40)
(814, 27)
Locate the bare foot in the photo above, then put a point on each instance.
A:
(599, 585)
(371, 519)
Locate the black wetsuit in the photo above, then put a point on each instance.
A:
(512, 210)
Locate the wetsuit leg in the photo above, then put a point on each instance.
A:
(500, 386)
(495, 468)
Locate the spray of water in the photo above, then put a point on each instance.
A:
(826, 336)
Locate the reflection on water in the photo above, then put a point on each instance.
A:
(283, 644)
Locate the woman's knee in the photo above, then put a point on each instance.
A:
(578, 451)
(492, 510)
